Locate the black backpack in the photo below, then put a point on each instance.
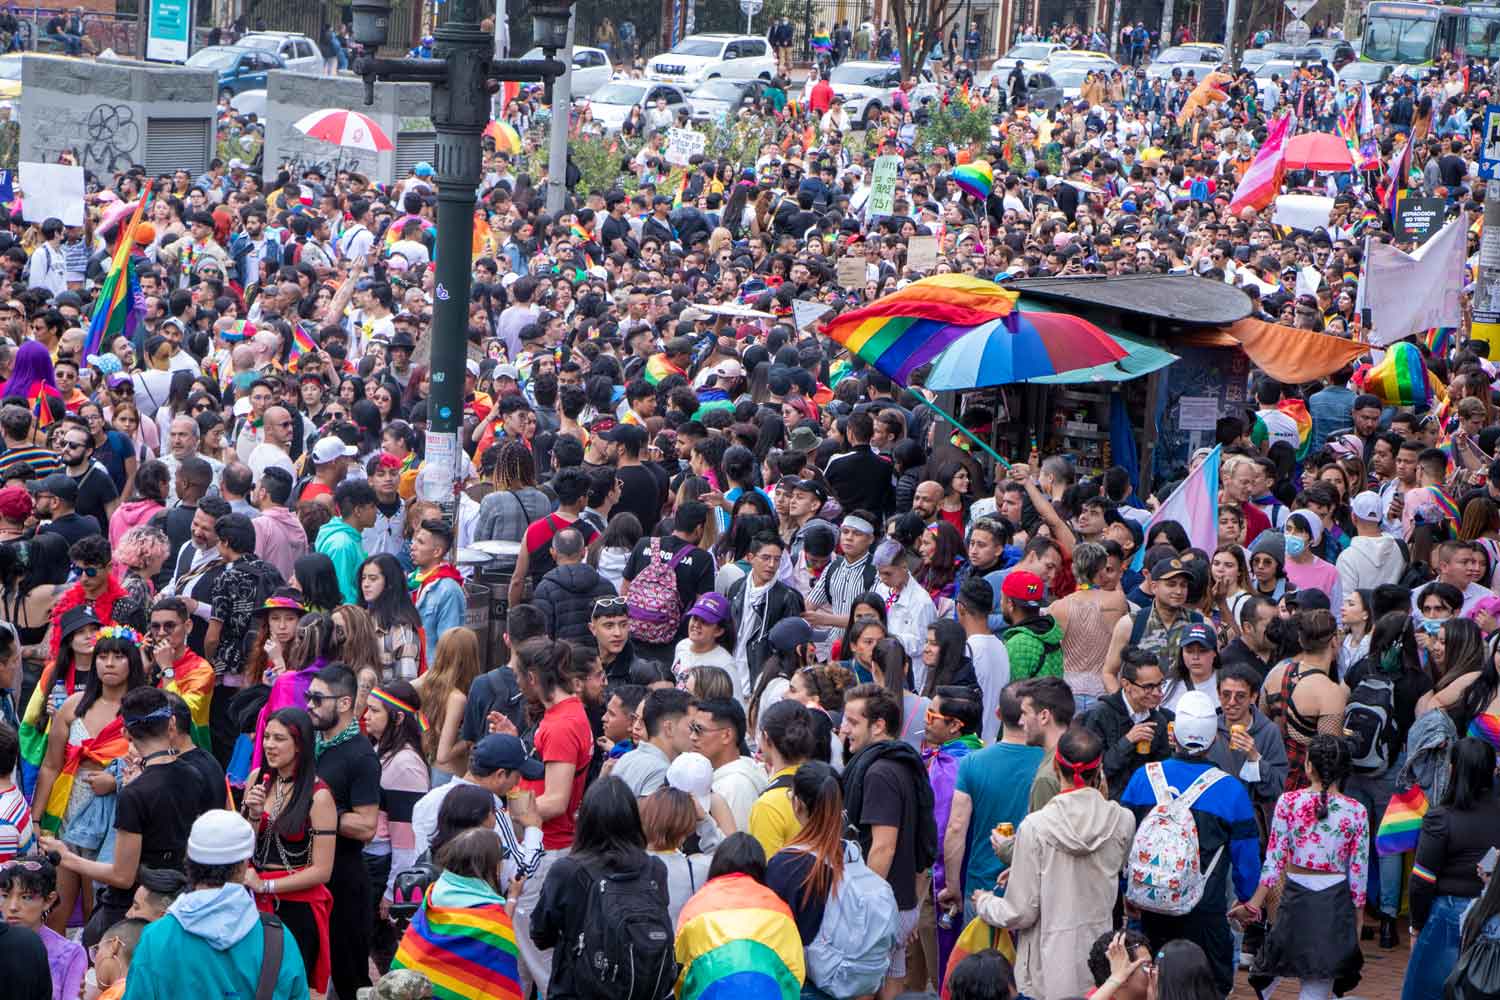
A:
(1370, 719)
(625, 949)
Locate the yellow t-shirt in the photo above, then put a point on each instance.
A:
(772, 821)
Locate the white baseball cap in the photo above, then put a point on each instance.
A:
(692, 773)
(1197, 723)
(330, 448)
(1366, 506)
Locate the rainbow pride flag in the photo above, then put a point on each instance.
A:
(736, 940)
(120, 303)
(1438, 340)
(581, 233)
(302, 343)
(1402, 378)
(977, 936)
(658, 368)
(110, 744)
(1297, 410)
(465, 952)
(822, 42)
(1444, 502)
(39, 408)
(1402, 822)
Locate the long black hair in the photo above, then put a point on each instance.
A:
(1183, 973)
(1473, 773)
(293, 819)
(608, 829)
(318, 581)
(405, 727)
(93, 688)
(1329, 757)
(952, 649)
(464, 808)
(393, 606)
(1481, 691)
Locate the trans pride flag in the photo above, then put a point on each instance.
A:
(1194, 505)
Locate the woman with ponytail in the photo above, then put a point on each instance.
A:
(1319, 843)
(808, 869)
(1077, 843)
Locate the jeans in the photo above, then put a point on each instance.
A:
(1436, 950)
(1374, 792)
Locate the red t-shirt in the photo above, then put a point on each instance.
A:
(1255, 521)
(563, 737)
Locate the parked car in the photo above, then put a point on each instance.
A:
(298, 52)
(716, 100)
(591, 69)
(1337, 51)
(1033, 54)
(1042, 89)
(866, 88)
(240, 67)
(703, 57)
(1371, 74)
(612, 102)
(1198, 57)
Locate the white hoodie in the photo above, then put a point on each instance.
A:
(1369, 561)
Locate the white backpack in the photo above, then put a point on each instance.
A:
(851, 953)
(1164, 874)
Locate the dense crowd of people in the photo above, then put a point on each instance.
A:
(731, 665)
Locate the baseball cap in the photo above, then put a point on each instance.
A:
(220, 837)
(1196, 723)
(1020, 585)
(59, 485)
(812, 486)
(790, 633)
(330, 449)
(692, 773)
(1164, 569)
(1200, 635)
(504, 752)
(507, 371)
(1366, 506)
(712, 607)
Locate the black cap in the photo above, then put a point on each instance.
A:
(59, 485)
(503, 752)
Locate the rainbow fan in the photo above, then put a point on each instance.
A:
(506, 138)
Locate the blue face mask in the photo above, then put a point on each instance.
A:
(1432, 626)
(1295, 546)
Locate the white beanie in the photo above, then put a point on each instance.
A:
(220, 837)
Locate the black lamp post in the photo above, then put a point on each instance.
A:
(464, 74)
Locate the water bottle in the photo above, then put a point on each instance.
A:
(57, 697)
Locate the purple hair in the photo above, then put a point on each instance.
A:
(32, 365)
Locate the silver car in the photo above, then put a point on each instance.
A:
(721, 99)
(298, 51)
(591, 68)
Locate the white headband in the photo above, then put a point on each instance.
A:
(859, 524)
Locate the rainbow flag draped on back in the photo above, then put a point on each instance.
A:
(821, 42)
(977, 936)
(108, 745)
(1297, 410)
(906, 329)
(120, 301)
(1402, 823)
(467, 953)
(658, 368)
(736, 940)
(35, 719)
(1402, 378)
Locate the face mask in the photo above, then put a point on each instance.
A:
(1295, 546)
(1432, 625)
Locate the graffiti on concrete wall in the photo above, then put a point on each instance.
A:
(111, 137)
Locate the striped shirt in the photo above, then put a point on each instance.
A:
(525, 854)
(16, 834)
(43, 461)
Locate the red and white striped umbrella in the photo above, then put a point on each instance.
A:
(345, 128)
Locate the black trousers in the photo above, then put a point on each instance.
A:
(383, 938)
(350, 925)
(1210, 931)
(221, 725)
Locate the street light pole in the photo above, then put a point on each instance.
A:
(463, 73)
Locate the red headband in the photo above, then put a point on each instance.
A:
(1077, 769)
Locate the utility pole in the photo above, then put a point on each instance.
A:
(464, 74)
(557, 145)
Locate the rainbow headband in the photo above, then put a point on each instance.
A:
(393, 702)
(120, 632)
(274, 603)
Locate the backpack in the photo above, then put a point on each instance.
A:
(625, 948)
(654, 604)
(852, 951)
(1164, 873)
(1369, 719)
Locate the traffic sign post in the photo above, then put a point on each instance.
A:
(1489, 146)
(1297, 32)
(1299, 8)
(751, 8)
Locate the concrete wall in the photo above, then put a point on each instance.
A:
(113, 115)
(402, 110)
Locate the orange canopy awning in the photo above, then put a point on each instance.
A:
(1288, 354)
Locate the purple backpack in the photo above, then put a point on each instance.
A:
(654, 604)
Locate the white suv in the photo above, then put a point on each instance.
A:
(299, 52)
(705, 57)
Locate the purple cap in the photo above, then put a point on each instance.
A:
(712, 607)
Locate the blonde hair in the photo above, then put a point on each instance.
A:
(453, 668)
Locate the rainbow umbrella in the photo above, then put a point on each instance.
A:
(1032, 342)
(975, 178)
(507, 139)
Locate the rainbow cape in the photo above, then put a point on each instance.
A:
(977, 936)
(302, 343)
(821, 42)
(120, 304)
(1402, 378)
(581, 233)
(658, 368)
(1444, 502)
(906, 329)
(466, 952)
(34, 723)
(1297, 410)
(736, 940)
(192, 680)
(1402, 822)
(108, 745)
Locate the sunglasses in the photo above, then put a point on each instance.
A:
(316, 700)
(610, 605)
(88, 571)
